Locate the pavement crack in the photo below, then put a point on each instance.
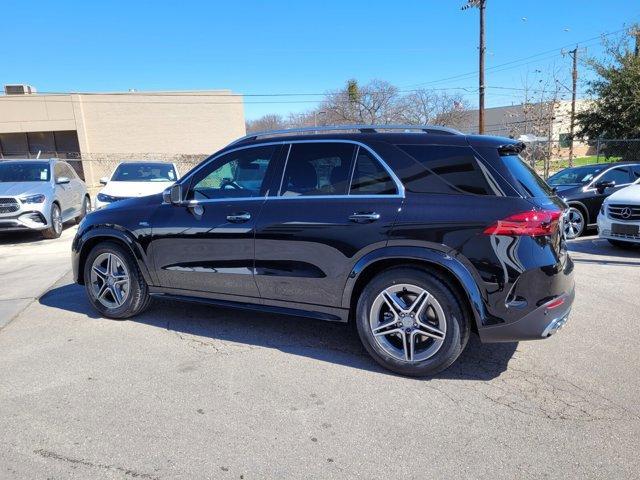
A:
(80, 461)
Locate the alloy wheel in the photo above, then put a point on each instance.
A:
(56, 220)
(408, 323)
(574, 223)
(110, 280)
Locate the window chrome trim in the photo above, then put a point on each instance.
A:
(394, 177)
(590, 187)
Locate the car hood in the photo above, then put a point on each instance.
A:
(134, 189)
(630, 194)
(23, 188)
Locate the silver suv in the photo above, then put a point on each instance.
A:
(40, 195)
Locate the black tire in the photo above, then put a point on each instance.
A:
(622, 244)
(457, 325)
(138, 298)
(86, 208)
(55, 229)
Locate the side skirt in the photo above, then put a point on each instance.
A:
(339, 316)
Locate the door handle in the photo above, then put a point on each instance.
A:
(240, 217)
(364, 217)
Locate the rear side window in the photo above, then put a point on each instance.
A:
(450, 170)
(370, 178)
(528, 181)
(636, 172)
(318, 169)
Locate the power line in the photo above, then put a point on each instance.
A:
(475, 72)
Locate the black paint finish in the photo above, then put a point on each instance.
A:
(308, 254)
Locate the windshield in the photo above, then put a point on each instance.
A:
(576, 175)
(24, 172)
(144, 172)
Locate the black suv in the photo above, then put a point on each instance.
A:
(418, 235)
(584, 189)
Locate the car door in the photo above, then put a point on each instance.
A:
(336, 202)
(76, 188)
(621, 176)
(206, 244)
(63, 191)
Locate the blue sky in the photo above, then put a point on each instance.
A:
(256, 47)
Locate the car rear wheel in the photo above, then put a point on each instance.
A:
(411, 322)
(114, 283)
(86, 208)
(55, 223)
(574, 223)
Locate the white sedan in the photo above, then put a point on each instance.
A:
(619, 218)
(136, 179)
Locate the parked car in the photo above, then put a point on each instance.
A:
(584, 189)
(619, 219)
(40, 195)
(419, 238)
(135, 179)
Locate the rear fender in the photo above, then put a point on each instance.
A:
(438, 258)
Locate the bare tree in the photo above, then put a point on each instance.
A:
(271, 121)
(425, 107)
(375, 102)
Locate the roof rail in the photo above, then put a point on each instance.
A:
(346, 128)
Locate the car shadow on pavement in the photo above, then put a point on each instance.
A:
(600, 247)
(212, 328)
(19, 237)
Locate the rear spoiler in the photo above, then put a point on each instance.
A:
(511, 148)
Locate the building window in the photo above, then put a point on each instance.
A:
(565, 140)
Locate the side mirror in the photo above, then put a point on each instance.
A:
(602, 185)
(175, 194)
(62, 180)
(104, 180)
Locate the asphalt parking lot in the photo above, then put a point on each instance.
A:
(190, 391)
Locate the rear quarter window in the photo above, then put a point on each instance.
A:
(527, 181)
(450, 169)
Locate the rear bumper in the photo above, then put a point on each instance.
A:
(541, 323)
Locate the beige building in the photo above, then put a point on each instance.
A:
(539, 121)
(103, 128)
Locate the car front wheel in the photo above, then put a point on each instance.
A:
(114, 283)
(574, 223)
(411, 322)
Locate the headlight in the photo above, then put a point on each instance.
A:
(106, 198)
(603, 208)
(39, 198)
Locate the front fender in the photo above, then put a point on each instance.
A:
(85, 239)
(442, 259)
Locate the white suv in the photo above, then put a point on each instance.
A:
(619, 218)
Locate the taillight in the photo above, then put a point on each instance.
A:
(534, 223)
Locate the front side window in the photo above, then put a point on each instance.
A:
(318, 169)
(636, 172)
(618, 175)
(238, 174)
(144, 172)
(450, 170)
(24, 172)
(370, 178)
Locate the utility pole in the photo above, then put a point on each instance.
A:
(574, 86)
(480, 4)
